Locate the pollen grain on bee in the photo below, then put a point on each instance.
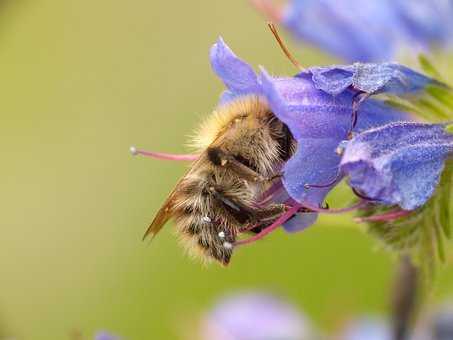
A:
(227, 245)
(206, 219)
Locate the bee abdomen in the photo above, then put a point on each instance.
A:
(203, 235)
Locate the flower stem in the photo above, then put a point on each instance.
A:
(404, 298)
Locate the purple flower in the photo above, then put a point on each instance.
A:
(373, 30)
(437, 325)
(318, 106)
(103, 335)
(367, 329)
(442, 324)
(398, 164)
(254, 316)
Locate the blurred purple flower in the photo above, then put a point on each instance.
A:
(442, 324)
(318, 106)
(367, 329)
(437, 325)
(254, 316)
(398, 164)
(103, 335)
(373, 30)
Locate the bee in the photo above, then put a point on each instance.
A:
(242, 147)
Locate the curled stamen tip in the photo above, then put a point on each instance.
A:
(222, 234)
(133, 150)
(307, 186)
(227, 245)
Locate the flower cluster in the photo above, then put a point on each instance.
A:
(322, 106)
(389, 160)
(373, 30)
(345, 128)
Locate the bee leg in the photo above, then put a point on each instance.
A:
(260, 218)
(287, 215)
(245, 214)
(221, 158)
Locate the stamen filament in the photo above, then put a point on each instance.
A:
(283, 47)
(161, 155)
(353, 207)
(389, 216)
(325, 185)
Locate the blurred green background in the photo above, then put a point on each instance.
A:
(83, 80)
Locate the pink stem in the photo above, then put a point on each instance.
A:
(389, 216)
(278, 222)
(353, 207)
(166, 156)
(269, 10)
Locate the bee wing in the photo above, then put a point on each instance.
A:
(162, 217)
(166, 211)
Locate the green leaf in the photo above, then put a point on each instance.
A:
(424, 233)
(443, 95)
(428, 67)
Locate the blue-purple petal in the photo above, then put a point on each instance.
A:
(315, 162)
(103, 335)
(300, 222)
(337, 27)
(427, 22)
(238, 76)
(255, 316)
(390, 78)
(398, 164)
(319, 122)
(371, 31)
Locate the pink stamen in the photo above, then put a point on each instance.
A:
(166, 156)
(353, 207)
(269, 10)
(389, 216)
(278, 222)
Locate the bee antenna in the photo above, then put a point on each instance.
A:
(282, 45)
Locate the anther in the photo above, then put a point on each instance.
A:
(206, 219)
(227, 245)
(222, 234)
(133, 150)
